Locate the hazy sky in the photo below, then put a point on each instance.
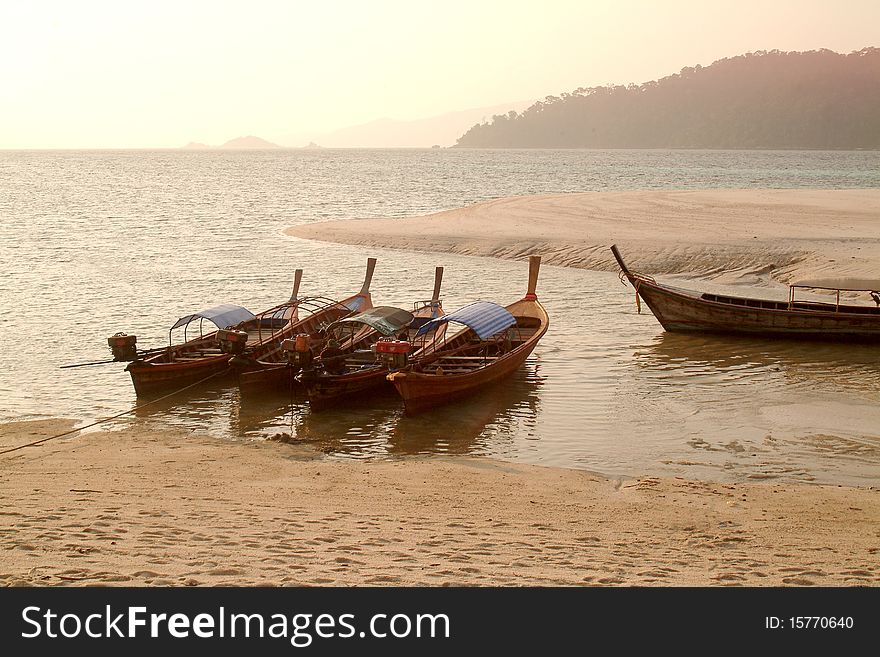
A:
(89, 74)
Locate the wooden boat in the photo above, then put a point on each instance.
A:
(239, 333)
(685, 310)
(494, 342)
(275, 368)
(369, 345)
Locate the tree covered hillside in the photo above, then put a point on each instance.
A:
(808, 100)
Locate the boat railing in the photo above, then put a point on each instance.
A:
(822, 305)
(278, 318)
(433, 303)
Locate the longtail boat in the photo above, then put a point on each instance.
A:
(239, 334)
(278, 366)
(679, 309)
(367, 346)
(494, 342)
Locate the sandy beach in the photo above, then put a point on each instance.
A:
(140, 507)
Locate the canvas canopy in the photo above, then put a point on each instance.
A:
(385, 319)
(485, 318)
(224, 315)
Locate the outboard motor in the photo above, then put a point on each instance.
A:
(232, 341)
(123, 347)
(394, 354)
(299, 353)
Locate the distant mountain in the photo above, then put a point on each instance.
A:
(240, 143)
(441, 130)
(786, 100)
(249, 142)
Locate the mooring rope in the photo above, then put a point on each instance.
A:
(113, 417)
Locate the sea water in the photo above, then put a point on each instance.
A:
(95, 242)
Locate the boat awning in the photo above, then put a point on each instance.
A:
(484, 317)
(847, 284)
(385, 319)
(224, 315)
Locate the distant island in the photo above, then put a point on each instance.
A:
(765, 100)
(240, 143)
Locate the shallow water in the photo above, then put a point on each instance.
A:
(94, 243)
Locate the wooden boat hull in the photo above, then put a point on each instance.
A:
(326, 392)
(464, 363)
(421, 392)
(162, 372)
(677, 311)
(267, 376)
(680, 310)
(149, 378)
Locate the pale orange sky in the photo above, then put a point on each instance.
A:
(90, 74)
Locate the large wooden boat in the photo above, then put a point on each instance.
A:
(686, 310)
(239, 334)
(494, 342)
(368, 345)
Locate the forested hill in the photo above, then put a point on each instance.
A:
(809, 100)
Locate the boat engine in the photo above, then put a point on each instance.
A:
(232, 341)
(123, 347)
(299, 353)
(394, 354)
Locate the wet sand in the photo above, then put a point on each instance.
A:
(140, 508)
(728, 235)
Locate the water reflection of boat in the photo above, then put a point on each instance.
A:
(222, 409)
(685, 310)
(380, 427)
(854, 366)
(212, 406)
(501, 407)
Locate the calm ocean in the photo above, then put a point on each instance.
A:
(95, 242)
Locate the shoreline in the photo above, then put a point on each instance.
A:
(166, 508)
(730, 236)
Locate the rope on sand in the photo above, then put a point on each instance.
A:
(113, 417)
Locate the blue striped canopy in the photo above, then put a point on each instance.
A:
(485, 318)
(224, 315)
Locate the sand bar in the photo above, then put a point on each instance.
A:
(729, 235)
(135, 507)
